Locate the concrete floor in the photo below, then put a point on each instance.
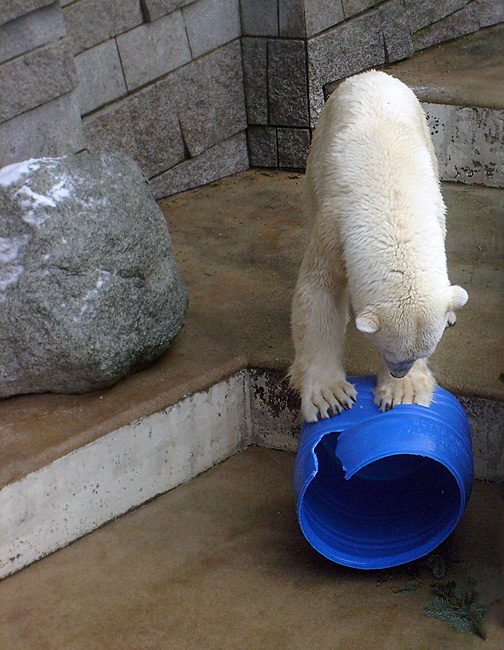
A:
(238, 243)
(220, 563)
(465, 72)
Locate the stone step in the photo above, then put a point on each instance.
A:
(460, 86)
(69, 463)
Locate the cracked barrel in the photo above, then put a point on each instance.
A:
(375, 490)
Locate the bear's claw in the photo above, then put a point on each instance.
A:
(319, 402)
(415, 388)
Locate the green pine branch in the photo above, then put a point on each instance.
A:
(458, 608)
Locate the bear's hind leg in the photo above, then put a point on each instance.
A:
(415, 388)
(319, 318)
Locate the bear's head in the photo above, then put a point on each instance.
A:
(409, 329)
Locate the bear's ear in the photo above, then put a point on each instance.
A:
(367, 321)
(458, 298)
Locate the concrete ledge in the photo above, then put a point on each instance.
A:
(465, 72)
(459, 85)
(98, 482)
(238, 244)
(79, 492)
(468, 143)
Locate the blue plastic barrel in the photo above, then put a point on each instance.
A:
(375, 490)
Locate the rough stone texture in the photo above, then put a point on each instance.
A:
(287, 83)
(111, 129)
(468, 143)
(396, 33)
(28, 32)
(353, 7)
(457, 24)
(11, 9)
(488, 12)
(36, 78)
(486, 418)
(156, 127)
(210, 24)
(291, 18)
(89, 285)
(89, 24)
(226, 158)
(425, 12)
(322, 14)
(293, 146)
(345, 50)
(259, 17)
(274, 411)
(101, 76)
(209, 97)
(154, 9)
(137, 125)
(262, 146)
(255, 79)
(152, 50)
(52, 129)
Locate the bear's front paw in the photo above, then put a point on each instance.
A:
(416, 388)
(321, 400)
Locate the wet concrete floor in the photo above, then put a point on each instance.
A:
(220, 563)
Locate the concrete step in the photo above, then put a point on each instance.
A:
(460, 85)
(69, 463)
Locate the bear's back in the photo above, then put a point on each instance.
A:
(374, 95)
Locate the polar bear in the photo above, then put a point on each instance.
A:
(376, 248)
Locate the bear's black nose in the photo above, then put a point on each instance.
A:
(401, 369)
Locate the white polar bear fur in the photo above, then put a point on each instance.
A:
(376, 245)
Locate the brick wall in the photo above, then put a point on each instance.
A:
(184, 85)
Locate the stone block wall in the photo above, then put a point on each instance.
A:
(162, 80)
(39, 111)
(292, 49)
(198, 89)
(159, 79)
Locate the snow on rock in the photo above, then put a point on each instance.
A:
(88, 283)
(12, 173)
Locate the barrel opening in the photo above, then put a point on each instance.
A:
(395, 507)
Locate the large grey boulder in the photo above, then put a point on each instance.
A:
(89, 289)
